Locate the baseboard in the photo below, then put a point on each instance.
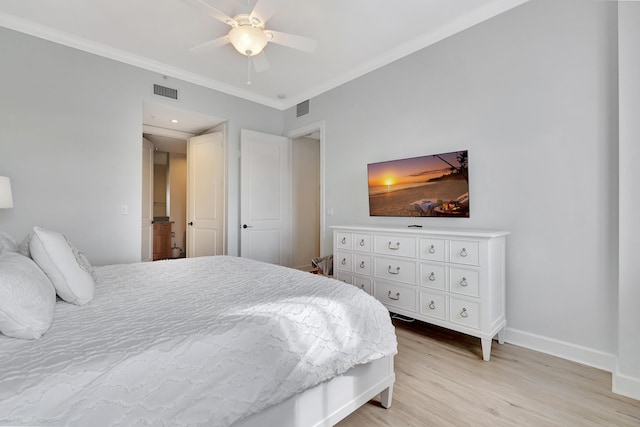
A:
(564, 350)
(626, 386)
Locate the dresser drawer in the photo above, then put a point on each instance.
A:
(395, 245)
(433, 276)
(464, 252)
(433, 305)
(432, 249)
(344, 261)
(344, 240)
(399, 270)
(395, 295)
(362, 264)
(344, 277)
(465, 282)
(362, 242)
(363, 283)
(464, 313)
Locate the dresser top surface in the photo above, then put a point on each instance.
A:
(430, 231)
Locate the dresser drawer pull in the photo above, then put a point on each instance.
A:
(362, 242)
(432, 277)
(344, 240)
(432, 249)
(463, 252)
(394, 272)
(362, 264)
(396, 298)
(394, 248)
(432, 305)
(344, 261)
(464, 282)
(464, 313)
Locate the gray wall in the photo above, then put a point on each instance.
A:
(532, 95)
(70, 139)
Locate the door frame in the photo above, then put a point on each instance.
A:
(222, 127)
(300, 132)
(148, 192)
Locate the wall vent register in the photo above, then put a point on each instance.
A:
(447, 277)
(167, 92)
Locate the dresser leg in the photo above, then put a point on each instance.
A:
(501, 334)
(486, 348)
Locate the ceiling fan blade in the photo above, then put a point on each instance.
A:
(220, 41)
(260, 62)
(291, 40)
(265, 9)
(206, 8)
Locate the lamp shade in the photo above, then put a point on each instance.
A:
(248, 40)
(6, 199)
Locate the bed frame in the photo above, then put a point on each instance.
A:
(331, 401)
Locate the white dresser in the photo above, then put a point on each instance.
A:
(448, 277)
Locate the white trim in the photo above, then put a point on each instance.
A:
(462, 23)
(155, 130)
(66, 39)
(564, 350)
(625, 385)
(302, 131)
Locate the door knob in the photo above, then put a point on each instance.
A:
(246, 226)
(190, 223)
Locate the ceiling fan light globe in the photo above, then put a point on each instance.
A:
(247, 40)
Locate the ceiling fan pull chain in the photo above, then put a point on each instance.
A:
(248, 70)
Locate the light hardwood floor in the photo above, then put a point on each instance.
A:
(441, 380)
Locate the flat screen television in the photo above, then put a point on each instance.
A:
(436, 185)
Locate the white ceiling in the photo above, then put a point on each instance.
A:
(353, 38)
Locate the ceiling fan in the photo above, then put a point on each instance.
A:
(248, 34)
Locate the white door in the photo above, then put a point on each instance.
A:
(147, 200)
(265, 197)
(205, 195)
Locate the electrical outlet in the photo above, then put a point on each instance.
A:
(124, 209)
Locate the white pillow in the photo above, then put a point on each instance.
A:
(7, 244)
(55, 256)
(27, 297)
(23, 247)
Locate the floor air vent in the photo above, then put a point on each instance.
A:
(165, 91)
(302, 108)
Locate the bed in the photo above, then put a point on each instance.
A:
(213, 341)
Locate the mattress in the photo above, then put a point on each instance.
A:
(197, 341)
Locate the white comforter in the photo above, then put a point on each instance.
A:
(189, 342)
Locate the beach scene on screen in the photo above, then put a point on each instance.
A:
(433, 185)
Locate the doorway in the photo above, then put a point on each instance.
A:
(307, 194)
(169, 196)
(166, 135)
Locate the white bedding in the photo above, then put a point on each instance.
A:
(187, 342)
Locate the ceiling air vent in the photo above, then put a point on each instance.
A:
(165, 91)
(302, 108)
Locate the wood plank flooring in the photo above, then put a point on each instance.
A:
(441, 380)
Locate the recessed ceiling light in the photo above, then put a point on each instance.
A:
(174, 121)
